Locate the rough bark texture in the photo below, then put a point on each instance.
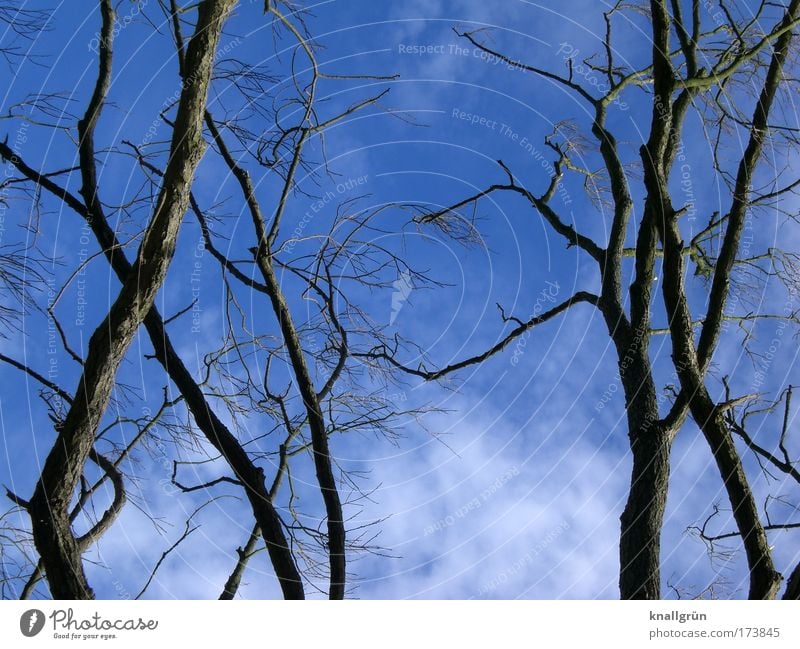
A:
(643, 516)
(793, 584)
(764, 578)
(215, 431)
(49, 505)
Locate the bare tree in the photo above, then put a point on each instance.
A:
(695, 68)
(298, 380)
(60, 551)
(298, 361)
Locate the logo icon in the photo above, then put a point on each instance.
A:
(31, 622)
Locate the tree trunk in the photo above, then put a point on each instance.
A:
(316, 423)
(49, 505)
(643, 516)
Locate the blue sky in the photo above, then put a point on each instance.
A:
(515, 491)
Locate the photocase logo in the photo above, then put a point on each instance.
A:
(401, 290)
(31, 622)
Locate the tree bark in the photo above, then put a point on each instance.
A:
(49, 505)
(650, 442)
(316, 422)
(689, 361)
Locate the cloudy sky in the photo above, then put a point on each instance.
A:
(514, 489)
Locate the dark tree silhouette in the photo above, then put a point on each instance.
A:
(694, 68)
